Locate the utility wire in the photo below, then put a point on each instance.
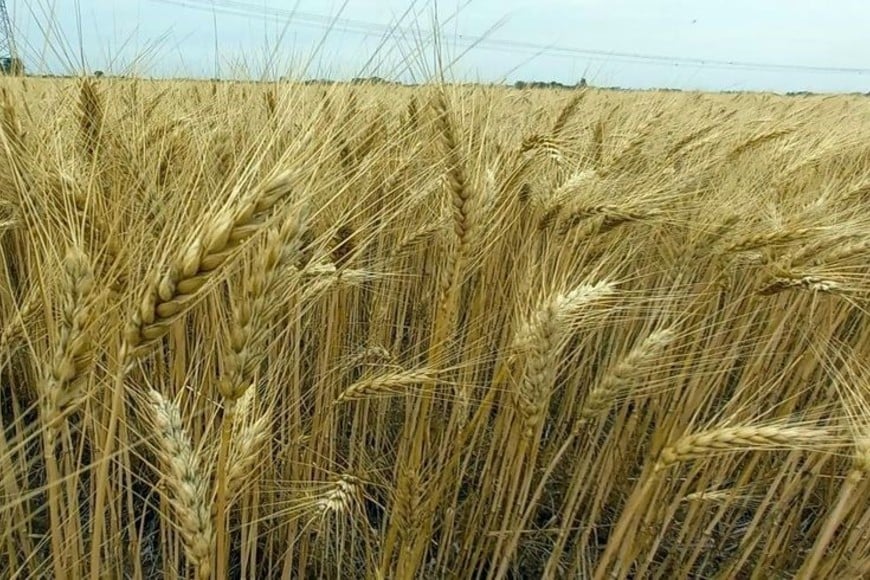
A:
(352, 26)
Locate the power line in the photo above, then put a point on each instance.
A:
(247, 9)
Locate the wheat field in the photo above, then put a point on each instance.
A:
(286, 330)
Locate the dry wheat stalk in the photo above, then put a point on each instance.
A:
(188, 481)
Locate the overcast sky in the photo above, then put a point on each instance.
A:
(561, 40)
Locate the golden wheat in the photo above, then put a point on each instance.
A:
(499, 335)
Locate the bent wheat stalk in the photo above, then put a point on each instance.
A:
(695, 446)
(848, 495)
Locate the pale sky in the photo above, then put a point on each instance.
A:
(609, 42)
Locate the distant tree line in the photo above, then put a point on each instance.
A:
(548, 85)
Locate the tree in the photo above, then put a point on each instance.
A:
(11, 66)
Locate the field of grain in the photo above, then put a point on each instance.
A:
(299, 331)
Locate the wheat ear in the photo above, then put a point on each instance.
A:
(460, 203)
(619, 378)
(741, 438)
(194, 265)
(387, 384)
(756, 241)
(805, 282)
(91, 116)
(542, 337)
(247, 444)
(341, 496)
(281, 248)
(60, 389)
(188, 482)
(567, 112)
(758, 140)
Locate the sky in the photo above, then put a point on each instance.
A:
(778, 45)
